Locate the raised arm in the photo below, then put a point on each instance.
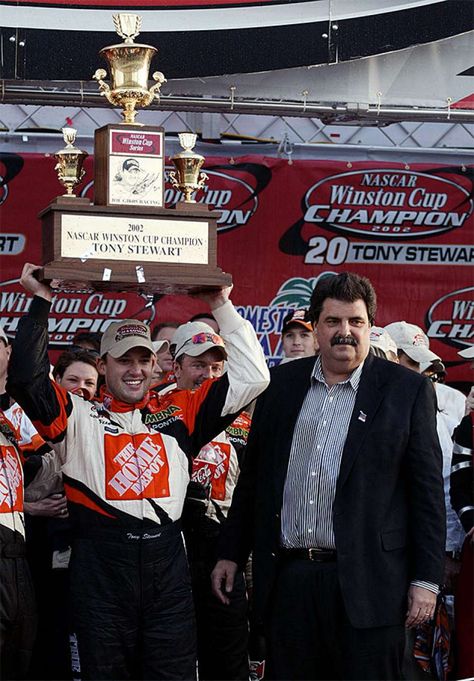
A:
(47, 405)
(215, 405)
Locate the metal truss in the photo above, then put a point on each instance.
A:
(42, 121)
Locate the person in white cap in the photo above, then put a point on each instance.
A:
(382, 341)
(125, 463)
(222, 632)
(412, 344)
(414, 353)
(199, 354)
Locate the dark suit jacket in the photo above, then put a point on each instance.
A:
(389, 517)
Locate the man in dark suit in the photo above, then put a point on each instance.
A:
(341, 500)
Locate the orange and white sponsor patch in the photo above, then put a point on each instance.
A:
(136, 467)
(211, 467)
(11, 481)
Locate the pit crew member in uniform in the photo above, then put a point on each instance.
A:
(222, 631)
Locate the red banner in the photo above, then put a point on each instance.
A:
(408, 228)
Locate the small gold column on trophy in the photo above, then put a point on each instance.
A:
(187, 177)
(69, 162)
(129, 64)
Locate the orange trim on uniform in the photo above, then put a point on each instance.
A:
(34, 445)
(57, 427)
(78, 497)
(190, 401)
(111, 403)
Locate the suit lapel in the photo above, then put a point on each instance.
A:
(369, 397)
(295, 394)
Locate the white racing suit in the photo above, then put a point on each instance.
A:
(125, 469)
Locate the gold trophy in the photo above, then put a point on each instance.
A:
(126, 239)
(129, 64)
(187, 177)
(69, 162)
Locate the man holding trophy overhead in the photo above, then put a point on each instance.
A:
(126, 457)
(125, 463)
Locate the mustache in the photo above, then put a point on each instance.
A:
(343, 340)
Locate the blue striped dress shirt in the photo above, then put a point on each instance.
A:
(315, 458)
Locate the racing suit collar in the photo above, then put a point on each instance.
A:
(112, 404)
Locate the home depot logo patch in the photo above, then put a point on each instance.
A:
(11, 486)
(136, 468)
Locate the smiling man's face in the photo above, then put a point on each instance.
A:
(128, 377)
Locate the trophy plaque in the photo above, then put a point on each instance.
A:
(127, 240)
(129, 166)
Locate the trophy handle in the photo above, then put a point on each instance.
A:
(103, 86)
(155, 89)
(202, 180)
(173, 179)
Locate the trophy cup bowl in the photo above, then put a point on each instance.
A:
(187, 176)
(129, 65)
(69, 162)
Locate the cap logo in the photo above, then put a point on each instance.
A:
(131, 330)
(204, 337)
(199, 339)
(419, 339)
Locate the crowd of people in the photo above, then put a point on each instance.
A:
(170, 509)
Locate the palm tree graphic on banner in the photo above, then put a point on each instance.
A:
(296, 292)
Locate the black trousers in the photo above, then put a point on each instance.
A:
(310, 637)
(132, 605)
(51, 659)
(17, 615)
(222, 630)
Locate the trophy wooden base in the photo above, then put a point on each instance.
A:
(64, 278)
(148, 251)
